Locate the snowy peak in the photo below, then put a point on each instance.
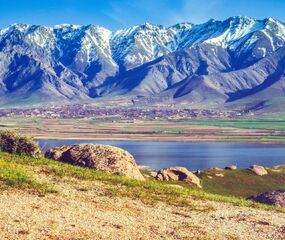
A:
(142, 43)
(275, 32)
(131, 47)
(221, 33)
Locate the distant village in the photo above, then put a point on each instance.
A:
(91, 111)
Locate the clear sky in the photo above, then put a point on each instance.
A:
(115, 14)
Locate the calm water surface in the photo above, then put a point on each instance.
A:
(191, 155)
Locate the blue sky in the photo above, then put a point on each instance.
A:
(115, 14)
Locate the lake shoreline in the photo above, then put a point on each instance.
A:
(149, 139)
(192, 155)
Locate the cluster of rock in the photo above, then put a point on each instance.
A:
(276, 198)
(118, 161)
(256, 169)
(115, 160)
(178, 174)
(100, 157)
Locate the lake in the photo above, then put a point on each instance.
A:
(193, 156)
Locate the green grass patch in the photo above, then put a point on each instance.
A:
(242, 183)
(14, 175)
(148, 191)
(170, 130)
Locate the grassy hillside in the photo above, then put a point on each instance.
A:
(35, 175)
(243, 183)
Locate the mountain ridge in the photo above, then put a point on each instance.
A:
(69, 63)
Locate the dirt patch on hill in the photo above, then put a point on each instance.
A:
(84, 211)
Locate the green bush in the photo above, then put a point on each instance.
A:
(13, 142)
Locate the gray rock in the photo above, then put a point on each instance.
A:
(258, 170)
(232, 167)
(100, 157)
(276, 198)
(178, 174)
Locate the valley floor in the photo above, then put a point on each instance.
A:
(113, 128)
(80, 212)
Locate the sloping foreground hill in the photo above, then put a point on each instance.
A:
(43, 199)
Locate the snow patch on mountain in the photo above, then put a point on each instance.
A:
(236, 30)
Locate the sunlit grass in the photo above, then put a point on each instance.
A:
(14, 175)
(20, 172)
(242, 183)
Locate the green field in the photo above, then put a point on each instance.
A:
(272, 122)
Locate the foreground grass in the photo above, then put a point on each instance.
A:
(21, 172)
(14, 175)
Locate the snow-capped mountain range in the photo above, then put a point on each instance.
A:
(212, 63)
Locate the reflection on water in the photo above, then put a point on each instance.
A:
(194, 156)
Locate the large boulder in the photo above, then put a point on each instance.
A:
(258, 170)
(276, 198)
(178, 174)
(100, 157)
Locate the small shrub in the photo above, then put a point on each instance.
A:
(13, 142)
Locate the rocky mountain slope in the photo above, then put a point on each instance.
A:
(210, 64)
